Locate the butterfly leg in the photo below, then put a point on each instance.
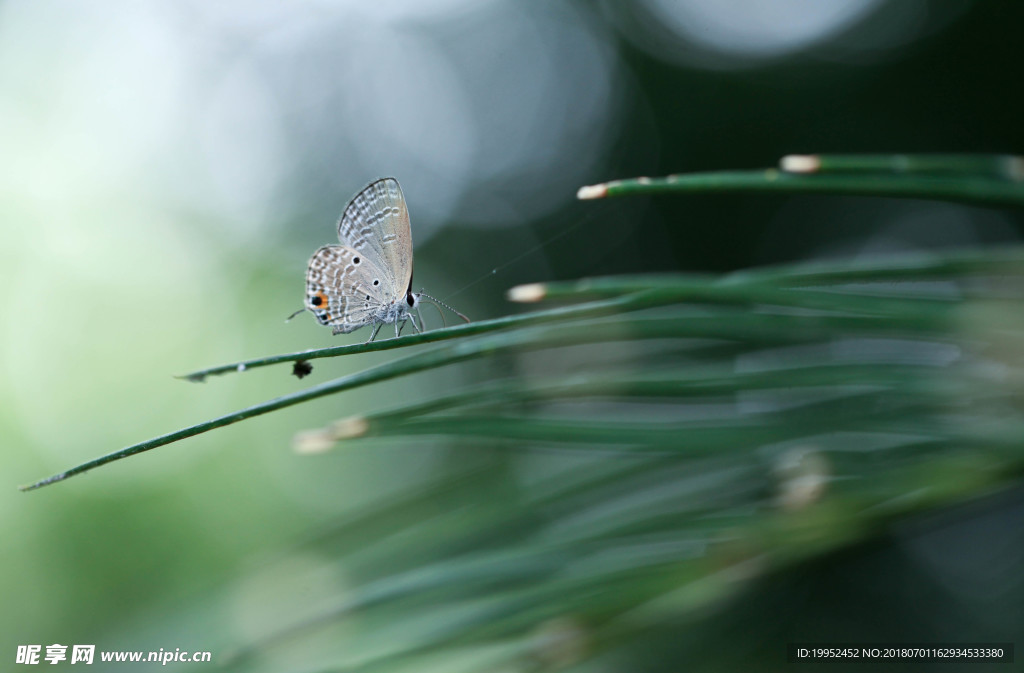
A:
(415, 327)
(376, 328)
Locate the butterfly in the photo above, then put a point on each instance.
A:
(367, 280)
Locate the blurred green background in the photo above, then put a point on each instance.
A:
(170, 166)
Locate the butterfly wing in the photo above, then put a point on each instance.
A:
(345, 289)
(376, 224)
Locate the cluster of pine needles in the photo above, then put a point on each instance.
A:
(657, 442)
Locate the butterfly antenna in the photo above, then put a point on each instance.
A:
(441, 303)
(444, 323)
(294, 314)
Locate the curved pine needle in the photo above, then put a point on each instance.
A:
(915, 266)
(590, 310)
(745, 287)
(960, 188)
(524, 339)
(683, 383)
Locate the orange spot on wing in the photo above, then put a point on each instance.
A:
(321, 296)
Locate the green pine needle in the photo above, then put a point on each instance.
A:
(985, 180)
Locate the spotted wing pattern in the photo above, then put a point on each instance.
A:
(376, 224)
(345, 289)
